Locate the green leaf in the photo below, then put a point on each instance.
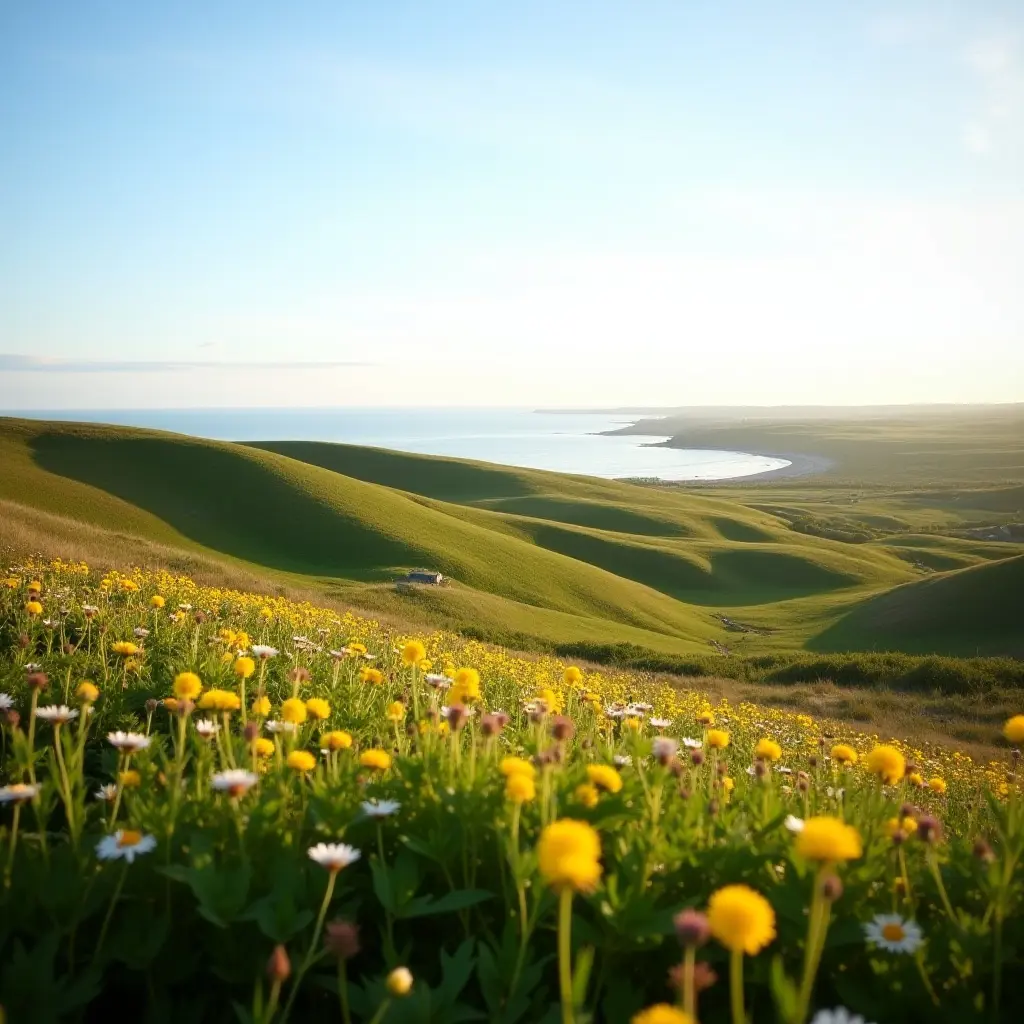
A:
(581, 975)
(784, 992)
(427, 906)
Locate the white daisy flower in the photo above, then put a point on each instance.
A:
(380, 808)
(206, 728)
(33, 666)
(793, 823)
(263, 651)
(18, 793)
(438, 681)
(6, 702)
(467, 710)
(107, 793)
(89, 610)
(236, 781)
(185, 607)
(893, 934)
(785, 771)
(51, 623)
(129, 742)
(126, 843)
(691, 743)
(622, 760)
(275, 726)
(840, 1015)
(633, 712)
(56, 713)
(614, 713)
(141, 631)
(661, 723)
(334, 856)
(643, 707)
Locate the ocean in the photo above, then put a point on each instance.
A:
(563, 442)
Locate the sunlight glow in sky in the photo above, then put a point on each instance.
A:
(551, 203)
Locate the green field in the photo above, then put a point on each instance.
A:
(535, 558)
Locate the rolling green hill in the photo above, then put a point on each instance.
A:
(533, 556)
(976, 610)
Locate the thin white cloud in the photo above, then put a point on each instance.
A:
(14, 363)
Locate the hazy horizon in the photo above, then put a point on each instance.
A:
(554, 205)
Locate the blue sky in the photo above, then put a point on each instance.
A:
(493, 203)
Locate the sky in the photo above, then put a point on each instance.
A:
(579, 204)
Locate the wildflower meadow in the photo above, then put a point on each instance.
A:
(222, 806)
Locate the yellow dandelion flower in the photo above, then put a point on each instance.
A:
(586, 794)
(187, 686)
(604, 777)
(572, 676)
(336, 739)
(937, 785)
(261, 707)
(741, 919)
(374, 676)
(375, 758)
(662, 1013)
(517, 766)
(318, 708)
(244, 667)
(1014, 729)
(293, 710)
(301, 761)
(125, 648)
(569, 855)
(87, 692)
(130, 779)
(395, 711)
(519, 788)
(844, 754)
(768, 750)
(827, 839)
(887, 763)
(220, 700)
(413, 652)
(262, 746)
(717, 739)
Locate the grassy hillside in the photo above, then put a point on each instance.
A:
(976, 610)
(536, 558)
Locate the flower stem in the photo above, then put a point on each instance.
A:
(736, 986)
(565, 953)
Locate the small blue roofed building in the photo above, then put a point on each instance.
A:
(434, 579)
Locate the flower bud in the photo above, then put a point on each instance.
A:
(457, 716)
(399, 981)
(69, 649)
(38, 681)
(723, 768)
(151, 705)
(200, 618)
(251, 731)
(692, 928)
(703, 976)
(697, 757)
(341, 939)
(279, 966)
(983, 851)
(831, 888)
(803, 785)
(929, 828)
(813, 761)
(562, 728)
(12, 718)
(23, 640)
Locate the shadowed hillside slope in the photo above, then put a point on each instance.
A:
(976, 610)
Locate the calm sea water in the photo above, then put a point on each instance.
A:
(566, 443)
